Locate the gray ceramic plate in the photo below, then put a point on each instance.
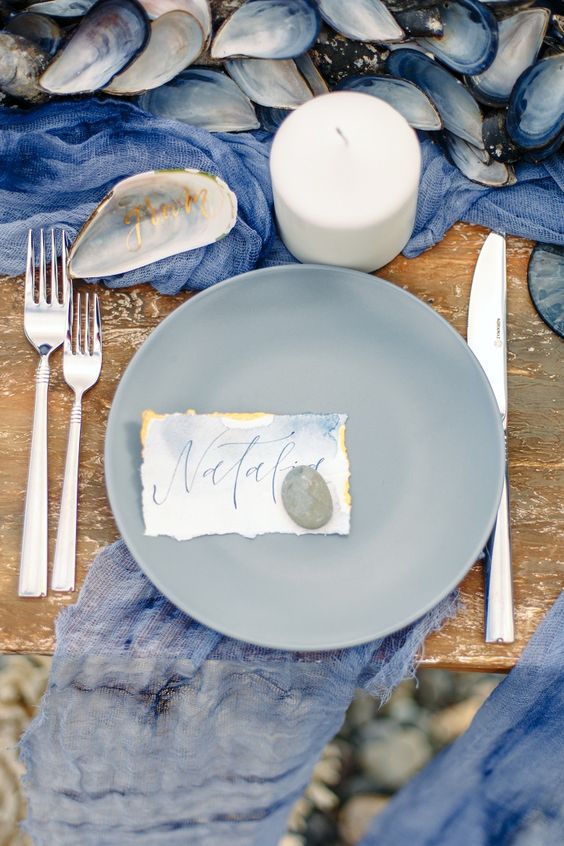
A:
(424, 438)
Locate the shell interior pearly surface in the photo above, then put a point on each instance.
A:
(151, 216)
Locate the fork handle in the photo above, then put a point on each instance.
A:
(64, 565)
(33, 562)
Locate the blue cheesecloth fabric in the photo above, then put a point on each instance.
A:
(59, 160)
(502, 782)
(155, 729)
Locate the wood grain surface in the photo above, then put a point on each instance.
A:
(441, 277)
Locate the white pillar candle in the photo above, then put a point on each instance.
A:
(345, 172)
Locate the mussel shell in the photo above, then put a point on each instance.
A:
(272, 119)
(203, 97)
(336, 57)
(542, 153)
(500, 5)
(535, 116)
(268, 29)
(556, 30)
(417, 23)
(470, 161)
(176, 41)
(469, 40)
(458, 109)
(306, 67)
(199, 8)
(520, 39)
(362, 20)
(546, 284)
(40, 29)
(405, 5)
(21, 64)
(62, 8)
(496, 140)
(106, 41)
(405, 97)
(151, 216)
(270, 82)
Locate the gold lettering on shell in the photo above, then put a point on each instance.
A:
(162, 214)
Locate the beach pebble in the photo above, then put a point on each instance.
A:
(449, 723)
(321, 830)
(356, 816)
(435, 689)
(406, 712)
(307, 498)
(291, 840)
(362, 709)
(393, 759)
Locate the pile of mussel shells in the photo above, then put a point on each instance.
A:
(486, 78)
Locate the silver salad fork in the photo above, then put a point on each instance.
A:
(44, 325)
(82, 362)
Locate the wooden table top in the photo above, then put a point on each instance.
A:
(441, 277)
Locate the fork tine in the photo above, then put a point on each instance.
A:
(54, 293)
(97, 346)
(64, 273)
(87, 319)
(29, 269)
(78, 342)
(42, 270)
(70, 323)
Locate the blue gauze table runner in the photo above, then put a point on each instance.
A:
(502, 782)
(155, 729)
(59, 161)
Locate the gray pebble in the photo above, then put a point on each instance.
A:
(379, 729)
(436, 688)
(392, 760)
(357, 815)
(307, 498)
(362, 710)
(405, 711)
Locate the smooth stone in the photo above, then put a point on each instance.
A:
(307, 498)
(291, 839)
(470, 684)
(356, 785)
(380, 728)
(449, 723)
(362, 710)
(393, 760)
(435, 689)
(356, 816)
(405, 712)
(320, 831)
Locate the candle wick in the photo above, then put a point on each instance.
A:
(342, 134)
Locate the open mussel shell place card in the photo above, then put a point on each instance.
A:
(423, 436)
(151, 216)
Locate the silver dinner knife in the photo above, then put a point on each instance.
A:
(487, 339)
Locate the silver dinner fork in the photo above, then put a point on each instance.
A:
(82, 362)
(45, 318)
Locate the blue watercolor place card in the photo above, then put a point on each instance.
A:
(222, 473)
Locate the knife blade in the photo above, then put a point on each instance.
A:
(487, 338)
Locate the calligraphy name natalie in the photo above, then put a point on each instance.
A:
(243, 463)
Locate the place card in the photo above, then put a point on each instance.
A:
(222, 473)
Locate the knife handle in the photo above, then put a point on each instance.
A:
(499, 589)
